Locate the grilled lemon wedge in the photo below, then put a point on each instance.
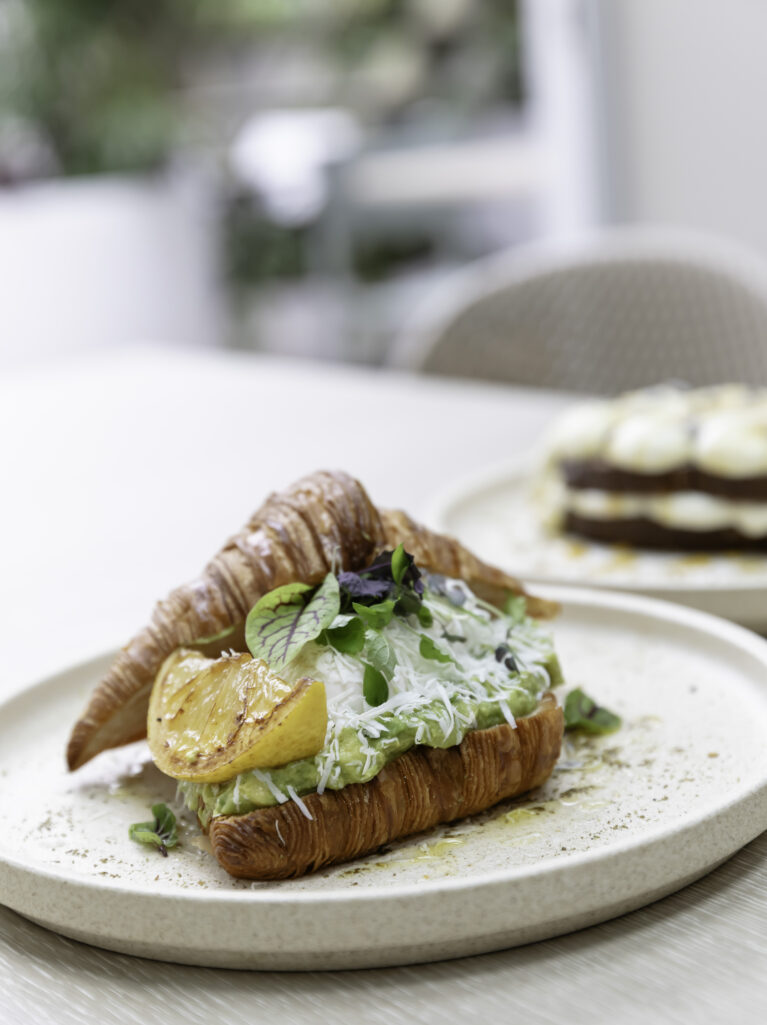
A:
(210, 719)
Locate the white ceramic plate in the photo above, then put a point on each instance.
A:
(624, 820)
(494, 514)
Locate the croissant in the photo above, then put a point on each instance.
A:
(324, 521)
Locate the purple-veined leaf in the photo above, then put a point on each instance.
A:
(283, 621)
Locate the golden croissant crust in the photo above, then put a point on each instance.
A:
(324, 521)
(416, 791)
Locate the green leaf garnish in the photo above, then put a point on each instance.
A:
(582, 713)
(430, 650)
(349, 639)
(393, 575)
(515, 607)
(400, 563)
(161, 832)
(220, 636)
(374, 686)
(408, 603)
(425, 618)
(283, 621)
(376, 617)
(380, 653)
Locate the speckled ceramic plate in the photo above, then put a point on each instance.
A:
(494, 513)
(624, 819)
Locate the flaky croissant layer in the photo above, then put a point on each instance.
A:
(324, 521)
(420, 789)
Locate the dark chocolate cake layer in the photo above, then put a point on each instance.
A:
(595, 473)
(644, 533)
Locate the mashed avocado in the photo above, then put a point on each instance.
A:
(450, 665)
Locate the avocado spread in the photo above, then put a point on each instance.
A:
(424, 667)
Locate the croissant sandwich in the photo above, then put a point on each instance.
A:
(337, 678)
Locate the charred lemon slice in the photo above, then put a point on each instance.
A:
(210, 719)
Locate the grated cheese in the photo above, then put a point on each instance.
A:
(266, 777)
(504, 707)
(301, 806)
(433, 702)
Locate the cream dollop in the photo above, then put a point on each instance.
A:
(650, 442)
(581, 432)
(722, 430)
(734, 443)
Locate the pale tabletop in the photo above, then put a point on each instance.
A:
(121, 475)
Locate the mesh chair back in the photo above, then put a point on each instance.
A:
(625, 311)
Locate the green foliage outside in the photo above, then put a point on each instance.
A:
(104, 85)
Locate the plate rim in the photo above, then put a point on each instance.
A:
(582, 597)
(520, 469)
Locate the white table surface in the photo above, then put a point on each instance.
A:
(121, 476)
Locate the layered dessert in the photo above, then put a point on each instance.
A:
(665, 467)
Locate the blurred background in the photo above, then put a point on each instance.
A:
(297, 176)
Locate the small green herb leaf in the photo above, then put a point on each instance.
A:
(430, 650)
(349, 639)
(376, 617)
(425, 617)
(374, 686)
(400, 564)
(161, 832)
(379, 653)
(220, 636)
(377, 582)
(214, 644)
(581, 713)
(282, 622)
(515, 607)
(408, 603)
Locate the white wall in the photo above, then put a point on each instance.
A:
(559, 55)
(684, 113)
(91, 263)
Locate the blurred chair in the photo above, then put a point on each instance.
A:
(624, 309)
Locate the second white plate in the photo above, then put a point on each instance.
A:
(493, 513)
(624, 819)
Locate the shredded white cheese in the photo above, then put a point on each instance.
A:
(323, 781)
(504, 707)
(434, 700)
(301, 806)
(275, 791)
